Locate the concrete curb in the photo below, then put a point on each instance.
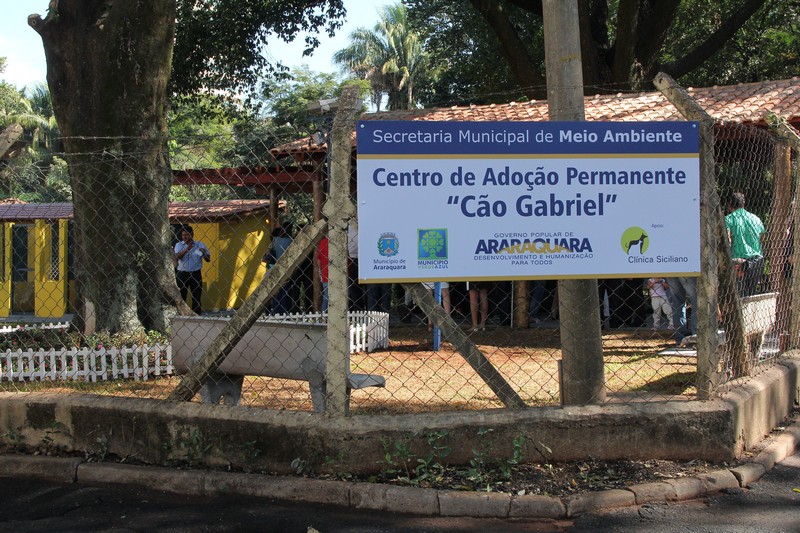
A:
(58, 469)
(399, 499)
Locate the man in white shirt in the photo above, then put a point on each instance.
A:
(190, 255)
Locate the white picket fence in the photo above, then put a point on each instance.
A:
(139, 363)
(369, 330)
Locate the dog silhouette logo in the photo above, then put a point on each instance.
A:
(635, 239)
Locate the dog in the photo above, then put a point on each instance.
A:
(639, 241)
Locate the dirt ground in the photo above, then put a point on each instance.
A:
(421, 379)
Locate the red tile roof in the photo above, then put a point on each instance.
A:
(214, 209)
(746, 102)
(21, 212)
(178, 211)
(742, 103)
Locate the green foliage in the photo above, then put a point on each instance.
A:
(27, 338)
(220, 45)
(102, 447)
(129, 338)
(289, 98)
(12, 103)
(35, 339)
(506, 467)
(465, 54)
(335, 465)
(57, 188)
(201, 134)
(766, 47)
(33, 173)
(255, 136)
(399, 457)
(193, 446)
(41, 102)
(485, 468)
(11, 438)
(33, 180)
(430, 467)
(251, 452)
(411, 468)
(465, 48)
(391, 56)
(48, 439)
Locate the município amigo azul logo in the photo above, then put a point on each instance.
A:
(432, 248)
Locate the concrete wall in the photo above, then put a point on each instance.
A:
(160, 432)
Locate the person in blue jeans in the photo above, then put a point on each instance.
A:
(190, 255)
(682, 291)
(281, 239)
(379, 297)
(537, 295)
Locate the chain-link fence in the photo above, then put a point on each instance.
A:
(252, 255)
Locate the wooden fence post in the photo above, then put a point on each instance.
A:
(787, 134)
(582, 365)
(715, 262)
(339, 211)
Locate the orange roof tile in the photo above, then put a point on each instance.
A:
(742, 103)
(746, 102)
(178, 211)
(13, 212)
(214, 209)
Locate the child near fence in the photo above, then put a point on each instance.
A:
(659, 300)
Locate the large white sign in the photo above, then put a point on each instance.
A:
(441, 201)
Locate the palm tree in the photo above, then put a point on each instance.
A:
(47, 135)
(34, 114)
(390, 56)
(28, 171)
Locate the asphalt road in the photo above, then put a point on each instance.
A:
(28, 505)
(768, 505)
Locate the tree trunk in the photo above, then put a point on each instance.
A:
(513, 49)
(633, 57)
(108, 64)
(582, 365)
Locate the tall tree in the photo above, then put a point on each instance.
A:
(15, 108)
(471, 65)
(220, 44)
(108, 68)
(624, 42)
(390, 56)
(31, 175)
(287, 100)
(30, 136)
(766, 47)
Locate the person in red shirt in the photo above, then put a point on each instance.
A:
(321, 257)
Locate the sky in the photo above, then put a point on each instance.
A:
(25, 63)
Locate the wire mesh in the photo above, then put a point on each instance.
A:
(241, 202)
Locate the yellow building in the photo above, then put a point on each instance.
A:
(237, 233)
(36, 253)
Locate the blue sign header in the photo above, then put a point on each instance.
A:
(376, 137)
